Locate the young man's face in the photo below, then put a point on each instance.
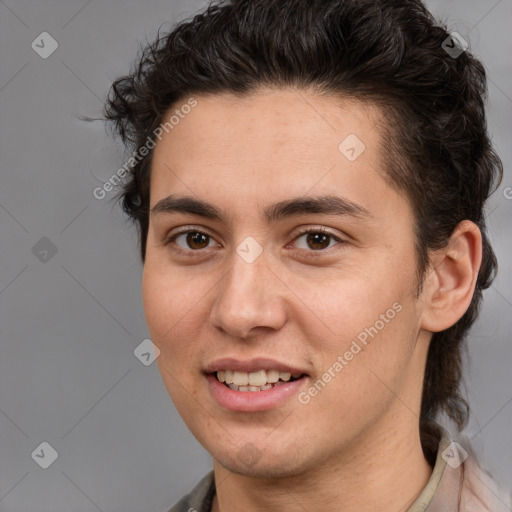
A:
(253, 293)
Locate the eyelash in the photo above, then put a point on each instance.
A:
(196, 253)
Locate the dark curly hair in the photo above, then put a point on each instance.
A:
(390, 53)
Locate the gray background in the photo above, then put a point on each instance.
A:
(70, 321)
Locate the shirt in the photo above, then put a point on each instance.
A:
(457, 484)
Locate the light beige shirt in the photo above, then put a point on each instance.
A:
(457, 484)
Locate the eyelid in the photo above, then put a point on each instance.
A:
(341, 241)
(170, 237)
(315, 229)
(185, 229)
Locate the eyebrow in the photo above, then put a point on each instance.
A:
(327, 205)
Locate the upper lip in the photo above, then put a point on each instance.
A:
(251, 365)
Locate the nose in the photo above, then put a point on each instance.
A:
(250, 300)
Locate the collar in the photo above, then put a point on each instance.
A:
(443, 490)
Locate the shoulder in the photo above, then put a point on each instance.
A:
(458, 482)
(480, 493)
(199, 499)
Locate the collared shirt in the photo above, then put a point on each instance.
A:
(457, 484)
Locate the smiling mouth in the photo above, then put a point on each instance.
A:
(260, 380)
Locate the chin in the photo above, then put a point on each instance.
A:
(261, 470)
(252, 462)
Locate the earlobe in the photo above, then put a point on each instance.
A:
(453, 278)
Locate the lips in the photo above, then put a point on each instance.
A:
(255, 385)
(252, 365)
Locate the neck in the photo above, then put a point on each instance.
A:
(385, 472)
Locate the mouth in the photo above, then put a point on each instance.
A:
(254, 386)
(257, 381)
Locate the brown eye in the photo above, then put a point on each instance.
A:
(317, 241)
(196, 240)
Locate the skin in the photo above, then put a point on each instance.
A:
(355, 445)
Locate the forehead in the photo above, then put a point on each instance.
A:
(282, 120)
(271, 143)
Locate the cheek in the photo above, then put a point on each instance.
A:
(170, 321)
(371, 320)
(169, 314)
(155, 304)
(348, 305)
(167, 297)
(368, 376)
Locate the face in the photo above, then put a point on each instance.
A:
(262, 285)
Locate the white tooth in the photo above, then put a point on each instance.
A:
(296, 375)
(241, 378)
(254, 388)
(228, 375)
(221, 375)
(285, 376)
(266, 386)
(234, 387)
(272, 376)
(258, 378)
(244, 388)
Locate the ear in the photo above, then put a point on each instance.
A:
(449, 287)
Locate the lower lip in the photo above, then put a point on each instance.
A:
(252, 401)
